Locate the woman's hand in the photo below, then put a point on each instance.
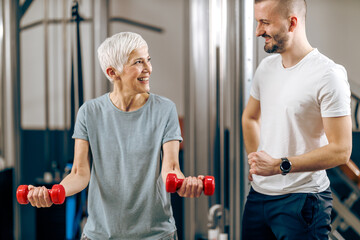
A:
(39, 197)
(191, 187)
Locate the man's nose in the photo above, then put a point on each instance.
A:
(259, 30)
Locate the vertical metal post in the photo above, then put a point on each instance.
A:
(190, 146)
(223, 45)
(213, 144)
(93, 55)
(46, 86)
(101, 16)
(65, 82)
(196, 112)
(12, 145)
(246, 75)
(235, 193)
(1, 80)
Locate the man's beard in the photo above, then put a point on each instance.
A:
(278, 46)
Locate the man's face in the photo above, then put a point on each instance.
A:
(271, 26)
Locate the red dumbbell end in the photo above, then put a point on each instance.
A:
(171, 183)
(209, 185)
(57, 194)
(21, 194)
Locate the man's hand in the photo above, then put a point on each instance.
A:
(263, 164)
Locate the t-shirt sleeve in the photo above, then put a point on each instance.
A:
(172, 128)
(334, 94)
(255, 88)
(80, 128)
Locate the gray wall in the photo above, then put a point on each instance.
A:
(166, 49)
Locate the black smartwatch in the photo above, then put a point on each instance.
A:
(285, 166)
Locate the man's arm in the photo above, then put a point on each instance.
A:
(338, 131)
(251, 125)
(339, 134)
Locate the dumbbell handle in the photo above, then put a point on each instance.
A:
(57, 194)
(173, 184)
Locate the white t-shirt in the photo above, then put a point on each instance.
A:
(293, 101)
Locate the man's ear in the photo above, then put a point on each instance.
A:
(293, 23)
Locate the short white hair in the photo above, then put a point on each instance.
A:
(115, 50)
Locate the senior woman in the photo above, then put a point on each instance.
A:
(132, 134)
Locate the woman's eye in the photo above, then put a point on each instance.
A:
(137, 62)
(149, 59)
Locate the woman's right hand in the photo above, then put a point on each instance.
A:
(39, 197)
(192, 187)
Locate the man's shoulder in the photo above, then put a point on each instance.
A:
(271, 60)
(322, 61)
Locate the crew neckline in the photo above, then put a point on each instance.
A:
(311, 53)
(131, 112)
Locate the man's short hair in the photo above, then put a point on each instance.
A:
(288, 7)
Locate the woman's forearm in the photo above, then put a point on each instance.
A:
(171, 169)
(75, 182)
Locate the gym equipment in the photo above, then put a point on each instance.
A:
(173, 184)
(57, 194)
(345, 181)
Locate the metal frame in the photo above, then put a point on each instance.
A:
(221, 40)
(342, 208)
(1, 80)
(11, 90)
(196, 105)
(356, 110)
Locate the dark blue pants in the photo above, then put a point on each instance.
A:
(287, 217)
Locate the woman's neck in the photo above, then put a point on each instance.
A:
(128, 102)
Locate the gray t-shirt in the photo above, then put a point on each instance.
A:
(127, 197)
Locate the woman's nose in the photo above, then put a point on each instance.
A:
(147, 67)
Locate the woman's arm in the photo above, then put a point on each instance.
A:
(73, 183)
(170, 162)
(79, 176)
(191, 186)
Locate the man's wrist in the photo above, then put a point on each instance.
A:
(277, 162)
(285, 166)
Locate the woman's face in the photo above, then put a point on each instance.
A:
(136, 72)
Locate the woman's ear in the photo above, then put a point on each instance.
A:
(111, 72)
(293, 23)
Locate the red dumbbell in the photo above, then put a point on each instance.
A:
(57, 194)
(173, 184)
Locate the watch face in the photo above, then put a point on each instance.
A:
(285, 165)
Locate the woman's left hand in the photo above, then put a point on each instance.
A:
(191, 187)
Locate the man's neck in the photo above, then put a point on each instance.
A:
(295, 54)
